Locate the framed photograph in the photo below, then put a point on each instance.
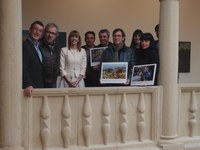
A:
(143, 74)
(184, 57)
(114, 72)
(95, 55)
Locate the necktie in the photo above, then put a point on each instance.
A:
(38, 52)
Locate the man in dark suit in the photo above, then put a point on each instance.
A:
(32, 59)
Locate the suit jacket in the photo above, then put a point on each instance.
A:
(32, 67)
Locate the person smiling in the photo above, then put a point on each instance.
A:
(73, 62)
(147, 54)
(51, 55)
(118, 51)
(32, 59)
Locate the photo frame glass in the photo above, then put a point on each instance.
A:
(143, 74)
(96, 55)
(114, 72)
(184, 57)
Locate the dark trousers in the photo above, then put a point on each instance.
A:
(50, 84)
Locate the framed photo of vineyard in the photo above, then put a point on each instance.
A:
(114, 72)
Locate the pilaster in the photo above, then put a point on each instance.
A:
(10, 74)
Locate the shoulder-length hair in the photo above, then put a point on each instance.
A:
(148, 37)
(77, 34)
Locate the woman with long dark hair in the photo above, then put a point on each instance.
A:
(147, 54)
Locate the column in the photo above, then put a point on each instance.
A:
(168, 78)
(10, 74)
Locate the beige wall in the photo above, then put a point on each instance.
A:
(189, 31)
(84, 15)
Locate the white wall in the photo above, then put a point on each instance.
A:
(189, 31)
(84, 15)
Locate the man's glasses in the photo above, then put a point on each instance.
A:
(49, 32)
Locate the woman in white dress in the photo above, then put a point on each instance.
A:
(73, 62)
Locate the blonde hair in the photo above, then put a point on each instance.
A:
(77, 34)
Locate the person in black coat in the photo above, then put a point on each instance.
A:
(51, 55)
(147, 54)
(32, 59)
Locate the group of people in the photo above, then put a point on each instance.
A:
(44, 60)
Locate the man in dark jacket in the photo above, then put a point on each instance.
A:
(51, 55)
(91, 76)
(119, 52)
(32, 59)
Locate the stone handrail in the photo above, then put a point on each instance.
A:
(92, 118)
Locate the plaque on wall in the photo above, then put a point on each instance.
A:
(184, 57)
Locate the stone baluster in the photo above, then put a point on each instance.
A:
(192, 115)
(44, 123)
(87, 119)
(141, 117)
(66, 122)
(106, 120)
(123, 118)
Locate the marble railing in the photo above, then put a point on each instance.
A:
(107, 118)
(93, 118)
(189, 113)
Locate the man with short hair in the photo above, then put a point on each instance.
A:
(32, 59)
(51, 55)
(104, 36)
(119, 52)
(91, 76)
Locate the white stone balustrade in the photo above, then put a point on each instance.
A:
(108, 118)
(92, 118)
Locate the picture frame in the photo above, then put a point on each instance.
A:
(114, 72)
(95, 55)
(184, 57)
(143, 75)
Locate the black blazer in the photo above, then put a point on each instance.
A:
(32, 67)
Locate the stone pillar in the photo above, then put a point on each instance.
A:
(10, 74)
(168, 78)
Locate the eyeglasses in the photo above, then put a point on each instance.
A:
(49, 32)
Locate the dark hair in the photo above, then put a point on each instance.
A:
(105, 31)
(119, 29)
(148, 37)
(136, 32)
(90, 32)
(36, 22)
(156, 28)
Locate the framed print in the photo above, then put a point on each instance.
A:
(143, 74)
(114, 72)
(95, 55)
(184, 57)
